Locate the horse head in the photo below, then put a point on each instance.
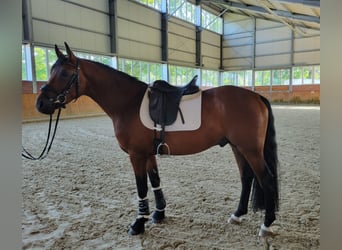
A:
(63, 84)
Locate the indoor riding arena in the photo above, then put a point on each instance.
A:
(81, 188)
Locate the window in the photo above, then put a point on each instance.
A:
(41, 63)
(211, 22)
(180, 76)
(156, 4)
(306, 75)
(126, 66)
(97, 58)
(23, 64)
(262, 78)
(280, 77)
(297, 75)
(144, 71)
(317, 74)
(52, 58)
(248, 78)
(136, 69)
(210, 78)
(238, 78)
(155, 72)
(46, 57)
(183, 10)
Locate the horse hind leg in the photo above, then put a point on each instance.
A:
(159, 211)
(246, 175)
(270, 191)
(265, 193)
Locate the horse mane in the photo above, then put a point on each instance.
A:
(110, 69)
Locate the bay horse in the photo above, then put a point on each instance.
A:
(230, 115)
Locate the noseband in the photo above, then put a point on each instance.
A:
(61, 97)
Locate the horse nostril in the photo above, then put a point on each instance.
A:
(44, 105)
(40, 104)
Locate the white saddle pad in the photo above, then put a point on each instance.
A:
(190, 106)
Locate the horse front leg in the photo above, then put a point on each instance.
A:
(139, 167)
(159, 211)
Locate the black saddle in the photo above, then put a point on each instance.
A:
(165, 99)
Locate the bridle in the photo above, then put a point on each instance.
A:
(60, 98)
(59, 102)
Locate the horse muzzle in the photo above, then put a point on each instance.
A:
(47, 105)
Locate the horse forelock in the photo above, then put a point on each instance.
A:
(60, 61)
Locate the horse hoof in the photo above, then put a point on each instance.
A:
(266, 232)
(234, 220)
(132, 232)
(137, 227)
(158, 217)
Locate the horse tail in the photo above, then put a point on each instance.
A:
(270, 178)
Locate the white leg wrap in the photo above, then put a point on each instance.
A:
(143, 216)
(234, 219)
(142, 199)
(265, 231)
(159, 210)
(156, 188)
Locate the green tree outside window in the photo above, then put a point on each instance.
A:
(23, 64)
(297, 75)
(40, 63)
(317, 74)
(258, 78)
(307, 75)
(52, 58)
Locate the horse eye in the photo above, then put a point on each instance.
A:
(64, 73)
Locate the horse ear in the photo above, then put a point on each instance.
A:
(58, 52)
(72, 57)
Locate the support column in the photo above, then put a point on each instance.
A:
(164, 37)
(27, 21)
(254, 49)
(28, 38)
(221, 51)
(198, 33)
(164, 41)
(113, 25)
(292, 60)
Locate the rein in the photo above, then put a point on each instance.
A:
(48, 145)
(59, 102)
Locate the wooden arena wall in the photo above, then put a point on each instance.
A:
(85, 106)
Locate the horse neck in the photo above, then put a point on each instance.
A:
(114, 92)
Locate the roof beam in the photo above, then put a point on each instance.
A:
(270, 11)
(313, 3)
(299, 17)
(280, 13)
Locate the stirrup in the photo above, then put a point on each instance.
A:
(168, 150)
